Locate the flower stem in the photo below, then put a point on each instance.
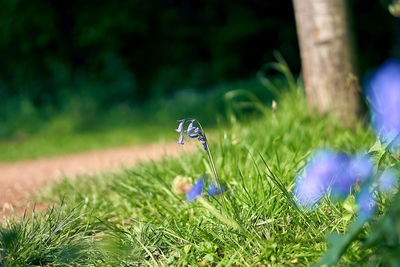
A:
(210, 159)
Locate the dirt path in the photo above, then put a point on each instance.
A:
(20, 180)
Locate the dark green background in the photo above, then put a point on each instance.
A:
(89, 56)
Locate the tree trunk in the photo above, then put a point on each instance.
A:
(327, 57)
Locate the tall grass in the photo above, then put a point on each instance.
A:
(144, 221)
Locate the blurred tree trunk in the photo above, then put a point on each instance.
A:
(327, 57)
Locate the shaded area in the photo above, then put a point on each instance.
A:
(84, 66)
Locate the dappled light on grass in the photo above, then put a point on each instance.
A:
(143, 215)
(155, 224)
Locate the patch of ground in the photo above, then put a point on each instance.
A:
(21, 180)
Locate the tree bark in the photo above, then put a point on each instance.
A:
(327, 57)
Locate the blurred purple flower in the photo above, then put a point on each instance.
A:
(366, 203)
(318, 176)
(387, 182)
(360, 167)
(214, 190)
(196, 190)
(383, 91)
(353, 170)
(330, 171)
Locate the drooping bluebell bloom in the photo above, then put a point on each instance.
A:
(387, 182)
(180, 131)
(196, 190)
(190, 128)
(192, 132)
(180, 140)
(366, 203)
(180, 126)
(317, 176)
(383, 92)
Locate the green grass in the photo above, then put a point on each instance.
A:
(134, 217)
(52, 144)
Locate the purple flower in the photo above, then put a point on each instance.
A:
(180, 126)
(196, 190)
(204, 146)
(193, 135)
(360, 167)
(387, 181)
(383, 91)
(213, 190)
(191, 131)
(366, 203)
(180, 140)
(317, 177)
(190, 128)
(197, 130)
(353, 170)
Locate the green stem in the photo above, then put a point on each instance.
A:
(210, 159)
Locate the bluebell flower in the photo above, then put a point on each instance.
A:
(190, 128)
(197, 130)
(383, 92)
(360, 167)
(196, 190)
(192, 132)
(193, 135)
(317, 177)
(352, 170)
(387, 182)
(204, 146)
(214, 190)
(366, 203)
(180, 140)
(180, 126)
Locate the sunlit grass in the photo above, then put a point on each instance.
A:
(52, 144)
(141, 220)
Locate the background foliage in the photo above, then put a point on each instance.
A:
(80, 60)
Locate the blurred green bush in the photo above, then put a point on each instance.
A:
(88, 59)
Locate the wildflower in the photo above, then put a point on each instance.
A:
(353, 170)
(180, 131)
(334, 172)
(196, 190)
(387, 182)
(180, 140)
(198, 187)
(190, 128)
(214, 190)
(360, 167)
(366, 203)
(180, 126)
(192, 132)
(318, 176)
(383, 92)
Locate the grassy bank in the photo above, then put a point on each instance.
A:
(136, 217)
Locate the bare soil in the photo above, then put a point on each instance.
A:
(19, 181)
